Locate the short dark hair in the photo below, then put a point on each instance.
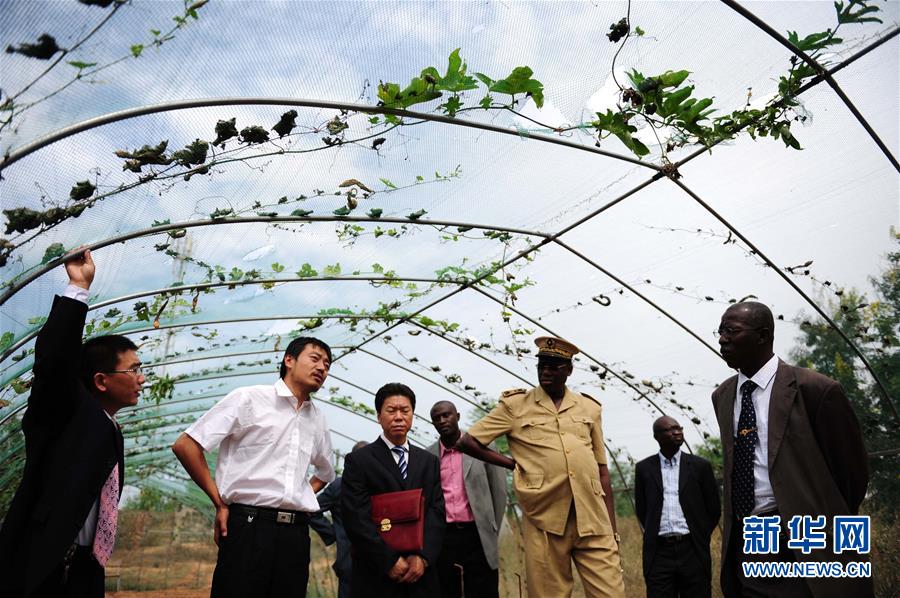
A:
(758, 314)
(392, 389)
(101, 354)
(295, 348)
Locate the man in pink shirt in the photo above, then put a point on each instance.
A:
(475, 501)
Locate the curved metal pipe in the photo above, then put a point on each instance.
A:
(821, 72)
(155, 230)
(85, 125)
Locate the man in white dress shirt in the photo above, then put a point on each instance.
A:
(267, 437)
(677, 502)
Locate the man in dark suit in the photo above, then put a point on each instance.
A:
(677, 504)
(792, 447)
(475, 502)
(390, 464)
(330, 500)
(61, 524)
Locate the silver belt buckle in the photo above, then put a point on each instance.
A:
(283, 517)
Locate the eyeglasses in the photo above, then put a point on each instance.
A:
(553, 367)
(728, 331)
(136, 371)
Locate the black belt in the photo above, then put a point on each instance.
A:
(283, 516)
(674, 539)
(460, 525)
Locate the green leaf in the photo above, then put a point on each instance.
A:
(520, 82)
(155, 32)
(417, 214)
(673, 79)
(485, 79)
(639, 32)
(378, 268)
(136, 50)
(81, 65)
(6, 340)
(52, 252)
(455, 80)
(301, 213)
(614, 123)
(451, 106)
(417, 92)
(236, 274)
(307, 271)
(276, 267)
(334, 270)
(375, 213)
(814, 41)
(342, 211)
(388, 184)
(486, 102)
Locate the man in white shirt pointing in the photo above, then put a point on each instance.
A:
(267, 437)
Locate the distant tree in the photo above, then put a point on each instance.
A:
(875, 327)
(151, 499)
(711, 450)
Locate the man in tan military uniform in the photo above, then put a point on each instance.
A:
(560, 477)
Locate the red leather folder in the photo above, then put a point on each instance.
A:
(400, 519)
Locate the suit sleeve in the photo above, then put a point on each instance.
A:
(320, 524)
(57, 361)
(435, 513)
(840, 439)
(497, 484)
(640, 501)
(329, 498)
(356, 510)
(710, 491)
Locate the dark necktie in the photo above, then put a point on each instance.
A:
(401, 461)
(742, 491)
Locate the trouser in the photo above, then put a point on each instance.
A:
(262, 556)
(677, 570)
(84, 577)
(463, 569)
(548, 562)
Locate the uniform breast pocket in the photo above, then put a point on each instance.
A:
(534, 430)
(580, 426)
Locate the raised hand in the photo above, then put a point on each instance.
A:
(80, 268)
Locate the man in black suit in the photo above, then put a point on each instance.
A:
(677, 503)
(330, 500)
(390, 464)
(61, 524)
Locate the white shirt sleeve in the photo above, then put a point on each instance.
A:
(321, 458)
(217, 423)
(75, 292)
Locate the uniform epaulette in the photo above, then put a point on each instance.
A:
(513, 391)
(591, 398)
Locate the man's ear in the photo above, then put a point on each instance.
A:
(289, 361)
(99, 380)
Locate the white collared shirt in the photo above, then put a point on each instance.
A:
(671, 520)
(762, 487)
(266, 445)
(396, 457)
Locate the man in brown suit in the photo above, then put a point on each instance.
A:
(793, 446)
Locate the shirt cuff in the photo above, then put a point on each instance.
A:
(75, 292)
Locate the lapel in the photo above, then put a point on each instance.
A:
(120, 457)
(383, 455)
(656, 473)
(684, 472)
(726, 416)
(784, 392)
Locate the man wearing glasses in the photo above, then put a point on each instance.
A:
(268, 436)
(677, 503)
(560, 477)
(61, 525)
(792, 446)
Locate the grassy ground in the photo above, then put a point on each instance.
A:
(172, 555)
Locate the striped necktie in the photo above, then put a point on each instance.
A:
(401, 460)
(107, 518)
